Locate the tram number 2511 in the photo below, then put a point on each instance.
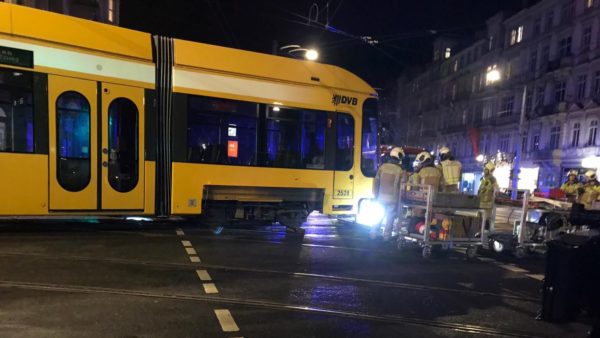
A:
(342, 193)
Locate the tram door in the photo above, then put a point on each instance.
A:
(73, 141)
(96, 153)
(343, 181)
(122, 147)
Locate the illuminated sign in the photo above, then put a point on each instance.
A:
(232, 149)
(232, 131)
(16, 57)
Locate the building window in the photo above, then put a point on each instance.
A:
(597, 83)
(111, 10)
(559, 91)
(575, 135)
(455, 65)
(490, 42)
(539, 96)
(436, 55)
(528, 100)
(507, 106)
(568, 11)
(448, 53)
(16, 111)
(564, 47)
(581, 86)
(592, 133)
(537, 26)
(453, 91)
(504, 143)
(589, 3)
(545, 54)
(524, 143)
(533, 61)
(554, 137)
(586, 39)
(535, 145)
(549, 21)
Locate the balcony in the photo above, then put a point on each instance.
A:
(506, 119)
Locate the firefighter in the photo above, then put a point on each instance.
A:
(386, 187)
(487, 188)
(571, 186)
(590, 191)
(427, 173)
(451, 171)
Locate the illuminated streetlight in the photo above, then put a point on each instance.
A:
(311, 54)
(297, 51)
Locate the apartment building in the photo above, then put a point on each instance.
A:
(531, 81)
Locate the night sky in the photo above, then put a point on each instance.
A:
(404, 28)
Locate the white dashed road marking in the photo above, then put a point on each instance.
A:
(195, 259)
(190, 251)
(186, 243)
(179, 232)
(536, 276)
(513, 268)
(203, 275)
(226, 320)
(210, 288)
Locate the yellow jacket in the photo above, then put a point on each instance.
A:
(386, 185)
(570, 188)
(486, 191)
(590, 194)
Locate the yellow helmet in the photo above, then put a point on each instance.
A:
(397, 152)
(590, 175)
(573, 172)
(490, 166)
(422, 157)
(444, 150)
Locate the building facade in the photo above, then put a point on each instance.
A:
(106, 11)
(533, 81)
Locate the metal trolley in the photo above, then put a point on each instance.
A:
(527, 236)
(421, 197)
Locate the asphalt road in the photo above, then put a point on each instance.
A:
(124, 279)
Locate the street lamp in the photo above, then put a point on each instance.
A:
(296, 51)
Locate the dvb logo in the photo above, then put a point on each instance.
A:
(341, 99)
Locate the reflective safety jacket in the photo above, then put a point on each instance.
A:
(486, 191)
(429, 175)
(451, 171)
(591, 191)
(571, 188)
(386, 185)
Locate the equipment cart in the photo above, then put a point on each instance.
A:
(444, 218)
(541, 225)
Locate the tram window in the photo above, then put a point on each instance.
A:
(370, 138)
(123, 148)
(16, 111)
(345, 142)
(295, 138)
(221, 131)
(73, 141)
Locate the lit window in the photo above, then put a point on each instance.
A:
(448, 53)
(589, 3)
(111, 10)
(519, 34)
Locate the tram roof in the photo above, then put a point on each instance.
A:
(80, 33)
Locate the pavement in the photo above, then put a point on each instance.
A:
(130, 279)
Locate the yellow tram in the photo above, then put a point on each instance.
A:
(99, 120)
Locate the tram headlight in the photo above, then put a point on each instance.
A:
(370, 213)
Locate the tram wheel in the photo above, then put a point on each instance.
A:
(426, 253)
(472, 252)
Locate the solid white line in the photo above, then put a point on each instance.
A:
(195, 259)
(210, 288)
(203, 275)
(512, 268)
(190, 251)
(179, 232)
(226, 320)
(186, 243)
(536, 276)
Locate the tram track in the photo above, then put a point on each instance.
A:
(292, 274)
(392, 319)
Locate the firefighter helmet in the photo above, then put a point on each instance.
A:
(397, 153)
